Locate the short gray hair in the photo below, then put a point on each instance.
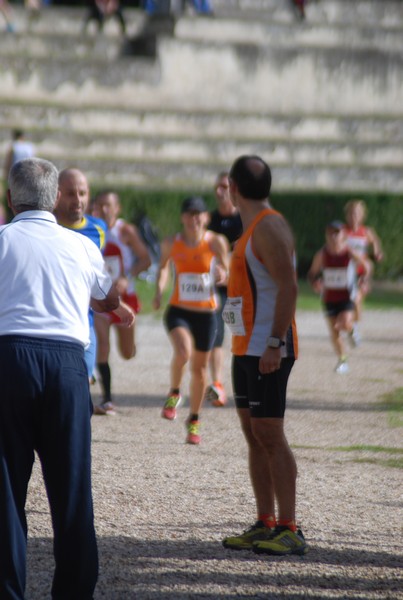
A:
(33, 184)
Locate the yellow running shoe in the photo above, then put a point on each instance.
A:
(245, 540)
(193, 436)
(283, 541)
(171, 404)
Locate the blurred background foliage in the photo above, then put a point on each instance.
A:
(307, 214)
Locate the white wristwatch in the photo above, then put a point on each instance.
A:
(275, 342)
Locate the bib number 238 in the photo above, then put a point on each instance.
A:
(232, 316)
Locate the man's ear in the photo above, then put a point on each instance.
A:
(233, 189)
(57, 199)
(9, 200)
(10, 204)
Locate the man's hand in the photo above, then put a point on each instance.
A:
(270, 360)
(125, 314)
(221, 275)
(157, 301)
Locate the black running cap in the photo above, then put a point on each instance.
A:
(194, 204)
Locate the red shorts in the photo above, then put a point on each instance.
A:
(130, 299)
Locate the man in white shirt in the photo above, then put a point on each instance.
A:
(50, 275)
(19, 149)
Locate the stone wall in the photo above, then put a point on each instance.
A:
(321, 100)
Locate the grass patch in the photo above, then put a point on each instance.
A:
(393, 400)
(364, 448)
(395, 420)
(378, 299)
(394, 463)
(355, 448)
(384, 299)
(146, 293)
(307, 299)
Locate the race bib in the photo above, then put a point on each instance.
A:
(194, 287)
(232, 315)
(335, 279)
(358, 245)
(113, 265)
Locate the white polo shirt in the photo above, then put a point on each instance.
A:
(48, 275)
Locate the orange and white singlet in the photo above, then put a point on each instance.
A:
(194, 275)
(252, 293)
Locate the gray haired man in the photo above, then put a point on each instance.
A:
(50, 275)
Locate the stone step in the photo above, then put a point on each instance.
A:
(363, 75)
(155, 162)
(42, 120)
(287, 35)
(320, 99)
(69, 40)
(101, 48)
(187, 74)
(381, 14)
(67, 145)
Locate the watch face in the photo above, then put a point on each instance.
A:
(275, 342)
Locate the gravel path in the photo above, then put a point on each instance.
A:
(162, 507)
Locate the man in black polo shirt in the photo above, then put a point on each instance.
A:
(225, 220)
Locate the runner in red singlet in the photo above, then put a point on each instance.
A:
(125, 256)
(333, 274)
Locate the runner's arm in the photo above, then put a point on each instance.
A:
(131, 237)
(163, 271)
(375, 242)
(220, 246)
(273, 243)
(314, 273)
(362, 261)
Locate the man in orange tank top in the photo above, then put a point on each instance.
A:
(199, 259)
(262, 293)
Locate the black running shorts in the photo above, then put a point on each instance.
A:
(264, 395)
(332, 309)
(202, 325)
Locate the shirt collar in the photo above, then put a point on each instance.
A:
(43, 215)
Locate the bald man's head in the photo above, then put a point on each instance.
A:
(74, 197)
(252, 177)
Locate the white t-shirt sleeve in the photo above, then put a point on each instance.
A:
(101, 280)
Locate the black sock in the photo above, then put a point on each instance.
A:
(194, 417)
(105, 373)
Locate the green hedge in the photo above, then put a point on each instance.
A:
(306, 213)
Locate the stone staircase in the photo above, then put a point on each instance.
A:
(321, 100)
